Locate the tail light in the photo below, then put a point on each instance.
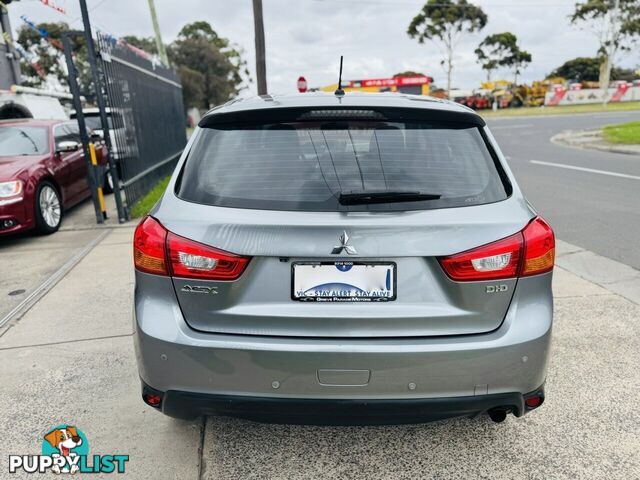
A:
(539, 248)
(191, 259)
(529, 252)
(149, 247)
(158, 251)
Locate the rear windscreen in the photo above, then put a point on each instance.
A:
(311, 166)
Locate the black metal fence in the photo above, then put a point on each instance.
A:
(147, 117)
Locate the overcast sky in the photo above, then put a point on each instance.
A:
(306, 37)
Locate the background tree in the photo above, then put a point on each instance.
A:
(616, 30)
(587, 69)
(408, 73)
(445, 22)
(493, 50)
(519, 60)
(148, 44)
(211, 69)
(502, 50)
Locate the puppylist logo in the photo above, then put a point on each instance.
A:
(65, 449)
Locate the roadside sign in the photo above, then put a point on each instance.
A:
(302, 84)
(390, 82)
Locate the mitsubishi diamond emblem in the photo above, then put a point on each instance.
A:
(344, 245)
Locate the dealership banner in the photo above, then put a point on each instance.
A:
(562, 95)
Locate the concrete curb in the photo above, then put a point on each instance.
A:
(611, 275)
(592, 139)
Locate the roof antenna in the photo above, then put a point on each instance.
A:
(339, 91)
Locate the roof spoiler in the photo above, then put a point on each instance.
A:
(302, 114)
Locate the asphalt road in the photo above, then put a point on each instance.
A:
(596, 211)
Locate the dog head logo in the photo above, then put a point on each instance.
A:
(65, 443)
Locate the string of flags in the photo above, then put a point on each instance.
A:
(53, 5)
(154, 59)
(108, 38)
(43, 33)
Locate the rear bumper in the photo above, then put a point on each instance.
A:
(179, 361)
(338, 412)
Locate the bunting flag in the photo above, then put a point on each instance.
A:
(111, 39)
(43, 33)
(51, 4)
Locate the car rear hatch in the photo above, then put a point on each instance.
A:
(343, 220)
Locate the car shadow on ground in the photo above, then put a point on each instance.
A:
(236, 448)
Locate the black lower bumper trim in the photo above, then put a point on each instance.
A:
(336, 411)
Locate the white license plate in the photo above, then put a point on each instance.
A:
(344, 281)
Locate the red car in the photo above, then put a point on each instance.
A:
(43, 172)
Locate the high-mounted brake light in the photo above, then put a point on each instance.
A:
(529, 252)
(160, 252)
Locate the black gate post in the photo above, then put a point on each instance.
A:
(77, 104)
(97, 83)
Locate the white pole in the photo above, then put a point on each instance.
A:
(613, 26)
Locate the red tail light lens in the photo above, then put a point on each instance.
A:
(191, 259)
(158, 251)
(496, 260)
(539, 248)
(148, 247)
(529, 252)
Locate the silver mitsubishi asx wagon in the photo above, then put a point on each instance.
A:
(343, 259)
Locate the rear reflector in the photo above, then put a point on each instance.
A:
(533, 402)
(152, 399)
(160, 252)
(529, 252)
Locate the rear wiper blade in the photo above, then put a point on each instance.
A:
(362, 198)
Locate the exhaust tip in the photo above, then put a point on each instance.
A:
(497, 415)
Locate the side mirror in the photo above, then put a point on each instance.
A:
(67, 146)
(96, 135)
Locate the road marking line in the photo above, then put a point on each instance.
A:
(42, 289)
(584, 169)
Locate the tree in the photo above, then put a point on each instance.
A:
(517, 61)
(587, 69)
(581, 69)
(408, 73)
(445, 22)
(148, 44)
(502, 50)
(493, 50)
(615, 28)
(210, 67)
